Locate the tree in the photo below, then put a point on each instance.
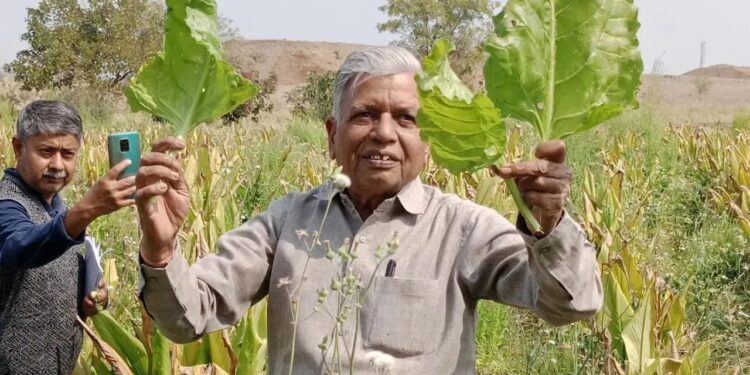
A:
(94, 42)
(261, 103)
(419, 23)
(314, 99)
(227, 30)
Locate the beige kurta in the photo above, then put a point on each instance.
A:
(451, 254)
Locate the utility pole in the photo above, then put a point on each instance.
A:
(703, 53)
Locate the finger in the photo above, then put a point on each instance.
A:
(126, 202)
(147, 175)
(494, 170)
(125, 193)
(147, 192)
(125, 183)
(88, 306)
(522, 182)
(155, 158)
(168, 144)
(535, 168)
(553, 151)
(118, 169)
(104, 301)
(542, 184)
(545, 202)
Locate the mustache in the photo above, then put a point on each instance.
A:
(55, 174)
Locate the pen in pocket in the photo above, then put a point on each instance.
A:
(390, 268)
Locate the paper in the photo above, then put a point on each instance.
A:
(93, 266)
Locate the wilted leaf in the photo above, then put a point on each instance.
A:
(677, 315)
(119, 366)
(122, 341)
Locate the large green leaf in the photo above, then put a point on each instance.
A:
(189, 82)
(638, 334)
(250, 340)
(465, 131)
(701, 356)
(123, 342)
(616, 312)
(210, 350)
(564, 66)
(161, 361)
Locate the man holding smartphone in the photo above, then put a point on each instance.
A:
(41, 267)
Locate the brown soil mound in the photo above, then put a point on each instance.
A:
(721, 71)
(292, 61)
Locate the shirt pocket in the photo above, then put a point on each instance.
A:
(406, 316)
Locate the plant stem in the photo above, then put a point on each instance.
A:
(298, 289)
(354, 343)
(523, 209)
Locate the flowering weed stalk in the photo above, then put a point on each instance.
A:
(350, 295)
(339, 182)
(382, 362)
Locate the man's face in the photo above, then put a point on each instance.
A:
(47, 162)
(378, 144)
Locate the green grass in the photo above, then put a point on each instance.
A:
(741, 120)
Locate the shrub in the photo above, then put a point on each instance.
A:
(259, 104)
(315, 98)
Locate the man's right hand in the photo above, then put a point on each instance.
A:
(163, 201)
(106, 196)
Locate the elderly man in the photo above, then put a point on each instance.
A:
(451, 252)
(41, 268)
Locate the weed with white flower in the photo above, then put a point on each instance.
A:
(382, 362)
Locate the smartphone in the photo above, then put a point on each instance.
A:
(121, 146)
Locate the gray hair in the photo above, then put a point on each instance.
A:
(367, 63)
(48, 117)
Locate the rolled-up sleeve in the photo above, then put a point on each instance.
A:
(556, 276)
(215, 292)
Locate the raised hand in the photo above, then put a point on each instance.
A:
(162, 199)
(106, 196)
(544, 183)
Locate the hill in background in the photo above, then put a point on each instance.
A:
(721, 71)
(711, 95)
(727, 88)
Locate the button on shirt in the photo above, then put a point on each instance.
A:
(451, 254)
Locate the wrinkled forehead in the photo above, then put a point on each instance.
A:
(398, 90)
(56, 140)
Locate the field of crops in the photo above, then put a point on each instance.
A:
(668, 208)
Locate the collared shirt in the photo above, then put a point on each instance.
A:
(451, 254)
(21, 240)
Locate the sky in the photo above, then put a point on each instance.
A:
(671, 30)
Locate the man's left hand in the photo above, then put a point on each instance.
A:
(544, 183)
(92, 301)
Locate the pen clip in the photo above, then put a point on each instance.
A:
(390, 268)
